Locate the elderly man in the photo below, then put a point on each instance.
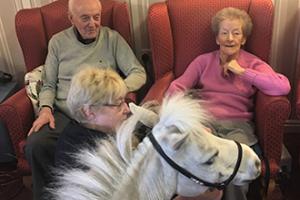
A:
(85, 43)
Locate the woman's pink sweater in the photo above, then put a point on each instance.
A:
(230, 97)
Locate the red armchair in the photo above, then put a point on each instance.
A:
(34, 28)
(181, 30)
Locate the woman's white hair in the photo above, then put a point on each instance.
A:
(232, 13)
(92, 86)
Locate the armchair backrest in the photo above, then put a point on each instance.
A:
(180, 30)
(35, 26)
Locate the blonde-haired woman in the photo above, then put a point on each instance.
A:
(96, 100)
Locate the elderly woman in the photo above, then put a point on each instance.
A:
(227, 80)
(96, 101)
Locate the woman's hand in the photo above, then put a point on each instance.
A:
(45, 117)
(234, 67)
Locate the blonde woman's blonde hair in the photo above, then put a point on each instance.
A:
(232, 13)
(93, 86)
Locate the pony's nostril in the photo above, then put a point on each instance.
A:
(257, 164)
(221, 175)
(258, 168)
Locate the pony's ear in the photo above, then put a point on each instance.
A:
(147, 117)
(175, 138)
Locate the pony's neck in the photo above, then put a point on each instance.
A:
(146, 177)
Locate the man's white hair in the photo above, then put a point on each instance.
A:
(72, 3)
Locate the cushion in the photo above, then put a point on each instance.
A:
(33, 84)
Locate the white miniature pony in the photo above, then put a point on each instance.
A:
(186, 160)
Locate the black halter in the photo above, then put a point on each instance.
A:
(219, 186)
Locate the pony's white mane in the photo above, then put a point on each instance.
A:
(184, 112)
(118, 172)
(99, 182)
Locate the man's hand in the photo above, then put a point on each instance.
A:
(234, 67)
(45, 117)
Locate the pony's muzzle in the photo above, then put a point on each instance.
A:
(256, 169)
(255, 172)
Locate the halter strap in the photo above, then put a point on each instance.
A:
(219, 186)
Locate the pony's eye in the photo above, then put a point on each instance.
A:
(210, 161)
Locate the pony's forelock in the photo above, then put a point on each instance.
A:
(184, 112)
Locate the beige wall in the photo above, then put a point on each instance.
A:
(285, 35)
(10, 53)
(139, 10)
(285, 45)
(11, 58)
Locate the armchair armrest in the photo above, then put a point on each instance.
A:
(17, 114)
(158, 89)
(131, 97)
(271, 112)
